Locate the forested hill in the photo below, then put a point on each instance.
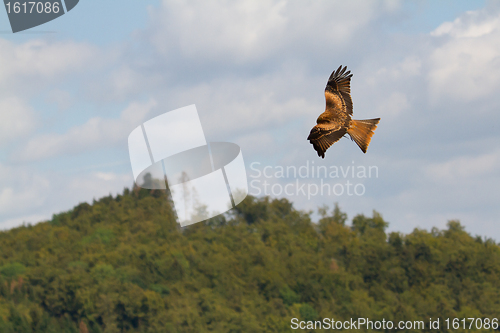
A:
(122, 264)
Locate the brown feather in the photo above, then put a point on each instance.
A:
(361, 131)
(340, 83)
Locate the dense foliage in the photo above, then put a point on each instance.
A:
(123, 265)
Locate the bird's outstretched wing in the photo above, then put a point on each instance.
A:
(322, 139)
(334, 122)
(339, 83)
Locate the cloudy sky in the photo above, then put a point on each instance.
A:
(73, 89)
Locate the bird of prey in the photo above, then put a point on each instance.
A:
(336, 121)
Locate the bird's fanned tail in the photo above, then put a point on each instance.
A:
(361, 131)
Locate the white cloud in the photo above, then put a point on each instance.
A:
(96, 133)
(472, 24)
(25, 219)
(248, 31)
(95, 185)
(62, 98)
(467, 66)
(465, 169)
(107, 176)
(29, 195)
(127, 81)
(21, 190)
(395, 104)
(409, 67)
(255, 107)
(16, 119)
(37, 61)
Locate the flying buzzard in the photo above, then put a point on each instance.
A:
(336, 121)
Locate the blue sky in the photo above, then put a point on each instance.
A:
(72, 90)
